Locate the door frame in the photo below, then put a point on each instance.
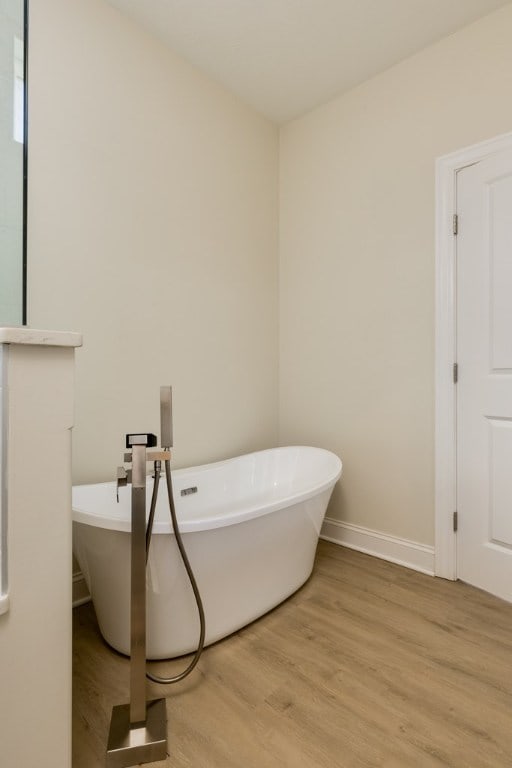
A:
(447, 168)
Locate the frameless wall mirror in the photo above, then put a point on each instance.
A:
(13, 161)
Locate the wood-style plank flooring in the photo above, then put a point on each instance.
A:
(369, 664)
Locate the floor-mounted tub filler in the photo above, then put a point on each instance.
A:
(250, 526)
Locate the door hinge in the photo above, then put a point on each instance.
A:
(455, 373)
(455, 224)
(455, 522)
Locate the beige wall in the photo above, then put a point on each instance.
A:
(357, 268)
(153, 231)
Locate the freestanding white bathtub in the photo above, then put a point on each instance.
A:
(250, 528)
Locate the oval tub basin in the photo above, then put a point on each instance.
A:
(250, 526)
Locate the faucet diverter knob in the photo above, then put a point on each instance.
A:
(122, 476)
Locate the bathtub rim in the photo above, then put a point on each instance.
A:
(249, 512)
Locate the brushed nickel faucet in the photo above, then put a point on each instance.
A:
(138, 730)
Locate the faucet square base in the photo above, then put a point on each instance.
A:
(135, 743)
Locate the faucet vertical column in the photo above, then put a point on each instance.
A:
(138, 730)
(138, 584)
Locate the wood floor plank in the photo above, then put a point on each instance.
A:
(369, 665)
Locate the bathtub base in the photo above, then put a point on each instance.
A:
(130, 744)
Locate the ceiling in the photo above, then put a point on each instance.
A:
(285, 57)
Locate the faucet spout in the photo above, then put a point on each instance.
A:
(123, 478)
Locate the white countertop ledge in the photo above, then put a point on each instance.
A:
(17, 335)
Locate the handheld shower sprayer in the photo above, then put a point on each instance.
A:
(166, 417)
(167, 442)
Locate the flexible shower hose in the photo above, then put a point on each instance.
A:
(186, 563)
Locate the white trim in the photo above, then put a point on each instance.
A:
(410, 554)
(81, 601)
(4, 604)
(446, 345)
(80, 588)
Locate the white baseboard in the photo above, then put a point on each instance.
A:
(419, 557)
(410, 554)
(80, 592)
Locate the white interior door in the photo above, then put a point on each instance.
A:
(484, 389)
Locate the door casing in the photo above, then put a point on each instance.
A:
(446, 347)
